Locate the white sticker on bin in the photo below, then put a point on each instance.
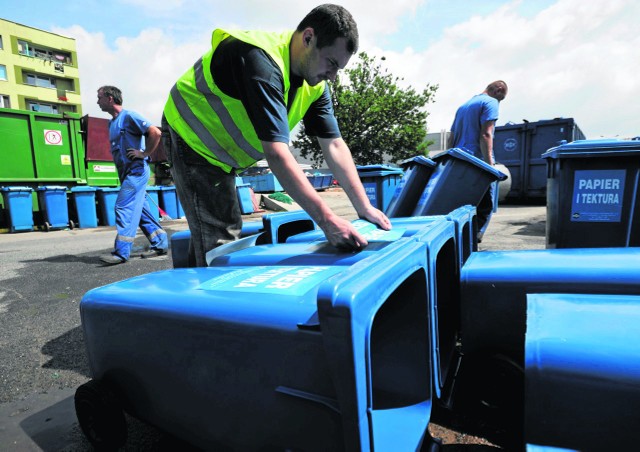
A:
(274, 280)
(372, 233)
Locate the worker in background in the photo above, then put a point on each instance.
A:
(238, 104)
(472, 131)
(128, 134)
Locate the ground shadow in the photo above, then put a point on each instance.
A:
(67, 352)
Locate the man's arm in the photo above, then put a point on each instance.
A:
(486, 142)
(339, 232)
(152, 140)
(338, 156)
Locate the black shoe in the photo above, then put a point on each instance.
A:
(112, 259)
(153, 253)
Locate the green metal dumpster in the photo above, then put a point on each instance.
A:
(592, 194)
(41, 148)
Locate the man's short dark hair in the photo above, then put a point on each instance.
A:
(112, 91)
(330, 22)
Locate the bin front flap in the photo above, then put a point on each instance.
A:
(595, 149)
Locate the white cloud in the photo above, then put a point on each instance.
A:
(574, 59)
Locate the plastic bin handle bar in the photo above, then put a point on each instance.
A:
(330, 403)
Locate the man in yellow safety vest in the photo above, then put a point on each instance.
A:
(239, 103)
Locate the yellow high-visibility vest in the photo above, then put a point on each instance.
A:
(217, 126)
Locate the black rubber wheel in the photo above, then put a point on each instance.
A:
(71, 224)
(47, 226)
(100, 416)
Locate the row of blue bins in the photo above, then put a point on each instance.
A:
(80, 206)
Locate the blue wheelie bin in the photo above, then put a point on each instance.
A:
(293, 357)
(107, 197)
(168, 200)
(459, 179)
(417, 172)
(592, 194)
(53, 204)
(380, 182)
(83, 203)
(19, 207)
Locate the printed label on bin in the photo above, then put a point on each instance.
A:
(598, 195)
(372, 233)
(273, 280)
(372, 192)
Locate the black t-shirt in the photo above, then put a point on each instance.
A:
(248, 73)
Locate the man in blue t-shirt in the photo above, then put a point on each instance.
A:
(128, 134)
(472, 131)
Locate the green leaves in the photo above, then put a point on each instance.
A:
(379, 120)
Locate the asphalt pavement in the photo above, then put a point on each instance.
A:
(43, 276)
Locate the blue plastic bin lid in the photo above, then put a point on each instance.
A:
(420, 160)
(86, 189)
(108, 188)
(466, 156)
(52, 188)
(166, 187)
(153, 188)
(16, 189)
(370, 168)
(594, 148)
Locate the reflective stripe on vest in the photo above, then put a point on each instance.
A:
(217, 126)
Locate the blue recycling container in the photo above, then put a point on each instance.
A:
(458, 179)
(592, 194)
(263, 183)
(244, 198)
(494, 285)
(417, 172)
(327, 180)
(168, 200)
(153, 200)
(107, 197)
(438, 233)
(52, 200)
(18, 204)
(465, 219)
(582, 369)
(380, 182)
(83, 203)
(297, 357)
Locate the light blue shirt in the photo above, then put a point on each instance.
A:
(468, 121)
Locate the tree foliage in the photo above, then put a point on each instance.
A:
(379, 120)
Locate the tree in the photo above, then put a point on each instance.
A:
(378, 120)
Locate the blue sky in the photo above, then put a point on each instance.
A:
(560, 58)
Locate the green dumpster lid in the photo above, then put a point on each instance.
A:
(594, 148)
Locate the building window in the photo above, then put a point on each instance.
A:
(42, 107)
(24, 48)
(4, 101)
(1, 45)
(3, 72)
(41, 81)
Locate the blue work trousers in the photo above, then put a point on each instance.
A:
(132, 210)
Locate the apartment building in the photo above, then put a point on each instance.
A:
(38, 70)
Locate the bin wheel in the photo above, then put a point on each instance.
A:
(100, 416)
(47, 226)
(71, 224)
